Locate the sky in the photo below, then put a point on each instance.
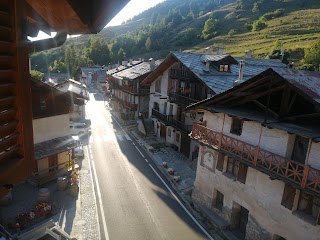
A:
(133, 8)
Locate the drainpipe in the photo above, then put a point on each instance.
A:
(49, 43)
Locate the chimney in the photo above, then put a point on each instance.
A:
(152, 64)
(124, 63)
(206, 67)
(248, 54)
(130, 61)
(241, 69)
(220, 51)
(208, 50)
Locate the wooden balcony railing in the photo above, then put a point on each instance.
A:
(180, 73)
(159, 115)
(180, 99)
(130, 106)
(179, 125)
(272, 164)
(135, 90)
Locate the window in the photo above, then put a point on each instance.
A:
(224, 68)
(156, 106)
(169, 132)
(177, 137)
(289, 193)
(310, 205)
(237, 170)
(236, 126)
(219, 200)
(220, 162)
(158, 86)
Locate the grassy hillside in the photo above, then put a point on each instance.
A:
(297, 29)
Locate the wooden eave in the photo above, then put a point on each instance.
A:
(168, 62)
(71, 16)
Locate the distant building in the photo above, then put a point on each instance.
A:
(129, 98)
(258, 171)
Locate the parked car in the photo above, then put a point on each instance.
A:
(78, 152)
(78, 128)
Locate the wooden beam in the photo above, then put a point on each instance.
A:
(265, 108)
(284, 105)
(292, 101)
(303, 116)
(256, 96)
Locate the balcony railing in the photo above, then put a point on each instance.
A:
(171, 121)
(180, 73)
(180, 99)
(159, 115)
(135, 90)
(274, 165)
(180, 125)
(130, 106)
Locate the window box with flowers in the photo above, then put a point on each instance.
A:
(41, 211)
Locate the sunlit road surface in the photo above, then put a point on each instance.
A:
(133, 202)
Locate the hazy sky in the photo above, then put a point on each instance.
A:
(133, 8)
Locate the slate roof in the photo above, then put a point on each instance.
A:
(222, 81)
(136, 71)
(53, 146)
(307, 81)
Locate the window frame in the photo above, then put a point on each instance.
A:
(236, 126)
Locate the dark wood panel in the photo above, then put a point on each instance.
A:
(8, 156)
(6, 103)
(7, 116)
(8, 129)
(8, 143)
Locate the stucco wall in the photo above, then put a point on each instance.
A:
(314, 157)
(260, 195)
(273, 140)
(45, 129)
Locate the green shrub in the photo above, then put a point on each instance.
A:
(231, 32)
(259, 24)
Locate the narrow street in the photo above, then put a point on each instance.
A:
(133, 202)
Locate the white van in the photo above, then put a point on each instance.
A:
(78, 128)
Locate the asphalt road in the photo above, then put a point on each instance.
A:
(133, 202)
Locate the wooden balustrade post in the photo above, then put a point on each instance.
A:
(305, 176)
(220, 140)
(256, 155)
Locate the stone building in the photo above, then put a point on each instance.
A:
(258, 167)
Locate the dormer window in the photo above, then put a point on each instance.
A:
(224, 68)
(236, 126)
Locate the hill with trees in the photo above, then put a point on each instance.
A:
(285, 29)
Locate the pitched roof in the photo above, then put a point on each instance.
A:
(306, 83)
(222, 81)
(136, 71)
(53, 146)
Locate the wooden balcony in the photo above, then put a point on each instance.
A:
(303, 176)
(181, 99)
(159, 115)
(179, 125)
(180, 73)
(130, 106)
(135, 90)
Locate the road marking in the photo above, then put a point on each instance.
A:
(184, 208)
(94, 172)
(139, 151)
(127, 137)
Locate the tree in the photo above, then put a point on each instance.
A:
(98, 51)
(148, 44)
(37, 75)
(312, 55)
(259, 24)
(209, 28)
(70, 60)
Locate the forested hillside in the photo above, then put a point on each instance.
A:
(268, 27)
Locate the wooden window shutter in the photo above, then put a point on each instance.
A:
(289, 193)
(242, 173)
(220, 162)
